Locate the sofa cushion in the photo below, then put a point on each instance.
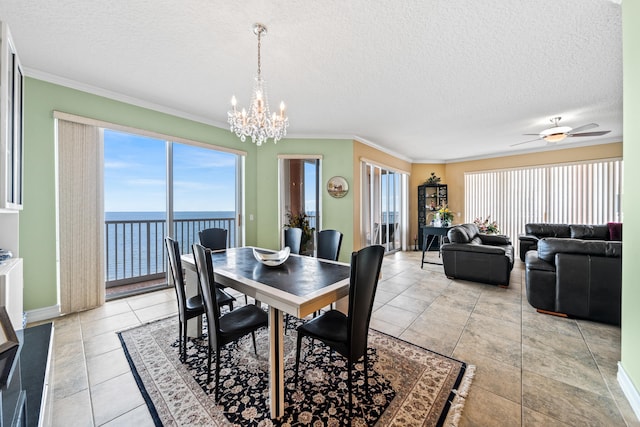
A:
(547, 230)
(589, 232)
(463, 233)
(615, 230)
(550, 246)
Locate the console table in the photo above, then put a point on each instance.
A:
(430, 230)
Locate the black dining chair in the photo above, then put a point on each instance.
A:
(293, 239)
(213, 238)
(188, 308)
(216, 240)
(223, 329)
(347, 334)
(329, 242)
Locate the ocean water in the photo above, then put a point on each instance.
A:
(134, 241)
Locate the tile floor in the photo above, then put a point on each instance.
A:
(532, 369)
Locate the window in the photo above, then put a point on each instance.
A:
(577, 193)
(384, 207)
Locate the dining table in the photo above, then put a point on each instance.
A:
(300, 286)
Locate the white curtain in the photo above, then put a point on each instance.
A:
(577, 193)
(80, 216)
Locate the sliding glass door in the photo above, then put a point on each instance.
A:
(156, 188)
(384, 207)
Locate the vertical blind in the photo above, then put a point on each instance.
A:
(80, 217)
(577, 193)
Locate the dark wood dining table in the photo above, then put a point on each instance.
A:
(300, 286)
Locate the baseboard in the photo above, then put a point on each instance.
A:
(629, 390)
(45, 313)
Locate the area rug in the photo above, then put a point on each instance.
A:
(408, 385)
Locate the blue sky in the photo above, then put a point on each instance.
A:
(135, 176)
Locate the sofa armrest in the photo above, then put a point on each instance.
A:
(494, 239)
(466, 247)
(528, 238)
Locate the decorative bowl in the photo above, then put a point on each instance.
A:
(271, 259)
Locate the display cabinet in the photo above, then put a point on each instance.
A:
(430, 198)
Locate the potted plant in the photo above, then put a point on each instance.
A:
(301, 220)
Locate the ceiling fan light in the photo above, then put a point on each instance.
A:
(555, 130)
(555, 137)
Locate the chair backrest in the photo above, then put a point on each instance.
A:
(365, 270)
(329, 242)
(204, 268)
(293, 239)
(213, 238)
(175, 265)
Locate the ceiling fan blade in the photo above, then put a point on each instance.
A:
(599, 133)
(533, 134)
(581, 128)
(524, 142)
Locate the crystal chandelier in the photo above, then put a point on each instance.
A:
(258, 123)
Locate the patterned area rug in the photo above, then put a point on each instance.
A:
(408, 385)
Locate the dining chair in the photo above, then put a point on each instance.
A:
(188, 308)
(216, 240)
(213, 238)
(329, 242)
(347, 334)
(293, 239)
(223, 329)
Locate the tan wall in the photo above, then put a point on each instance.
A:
(363, 151)
(455, 171)
(452, 174)
(419, 174)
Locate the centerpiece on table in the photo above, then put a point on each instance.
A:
(487, 226)
(445, 216)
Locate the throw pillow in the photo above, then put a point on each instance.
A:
(615, 230)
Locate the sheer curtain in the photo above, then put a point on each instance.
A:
(576, 193)
(80, 216)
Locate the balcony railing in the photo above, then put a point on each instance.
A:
(135, 250)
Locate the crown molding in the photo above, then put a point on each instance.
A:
(94, 90)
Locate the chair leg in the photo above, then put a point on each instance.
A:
(253, 337)
(366, 376)
(180, 340)
(298, 355)
(184, 341)
(350, 388)
(209, 364)
(217, 373)
(230, 305)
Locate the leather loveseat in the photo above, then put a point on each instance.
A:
(578, 278)
(469, 255)
(536, 231)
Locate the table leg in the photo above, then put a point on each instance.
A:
(276, 362)
(425, 248)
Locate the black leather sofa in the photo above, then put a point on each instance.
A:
(578, 278)
(469, 255)
(536, 231)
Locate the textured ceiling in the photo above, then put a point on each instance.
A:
(428, 80)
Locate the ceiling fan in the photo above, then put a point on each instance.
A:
(558, 133)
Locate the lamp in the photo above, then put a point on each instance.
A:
(258, 123)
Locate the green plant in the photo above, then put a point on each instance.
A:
(433, 179)
(300, 220)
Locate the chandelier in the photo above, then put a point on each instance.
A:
(258, 123)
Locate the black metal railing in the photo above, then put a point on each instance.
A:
(135, 250)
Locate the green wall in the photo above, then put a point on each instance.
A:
(337, 159)
(631, 197)
(38, 221)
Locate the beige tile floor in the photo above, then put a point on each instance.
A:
(532, 369)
